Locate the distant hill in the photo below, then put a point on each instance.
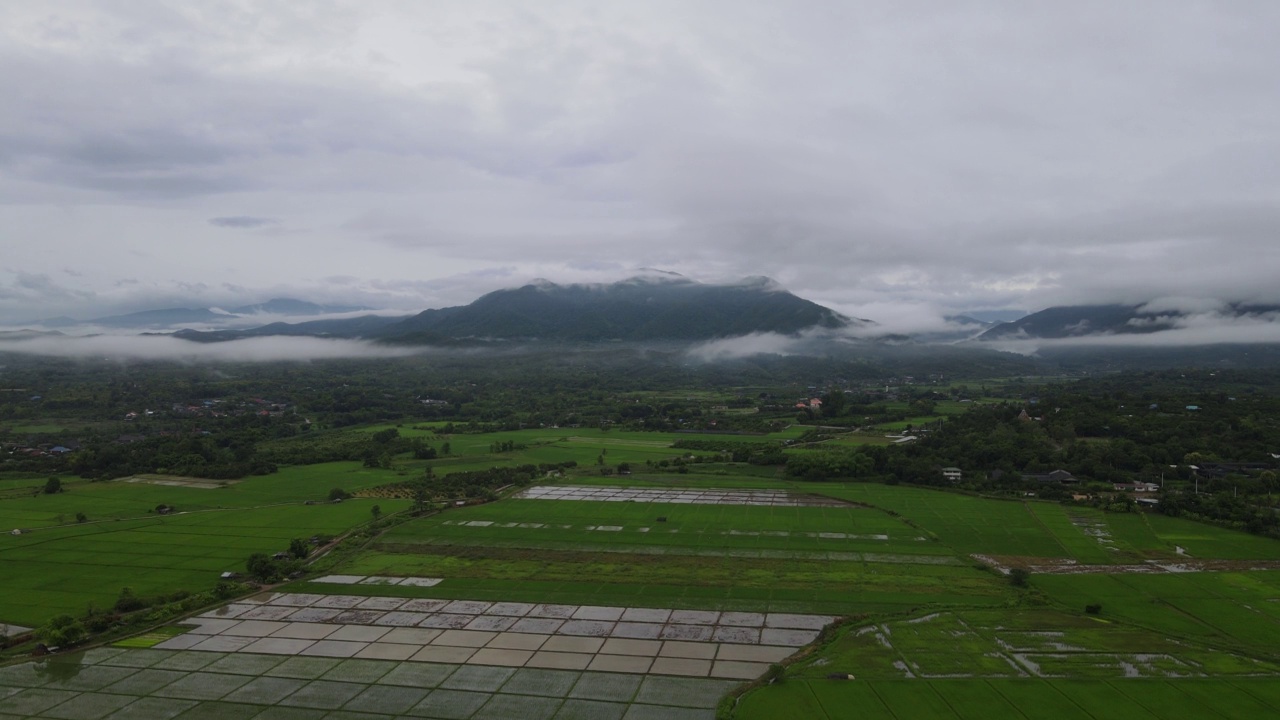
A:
(651, 307)
(177, 316)
(1075, 321)
(292, 307)
(357, 327)
(166, 317)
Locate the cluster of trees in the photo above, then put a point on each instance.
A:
(470, 484)
(222, 421)
(830, 464)
(131, 610)
(1224, 508)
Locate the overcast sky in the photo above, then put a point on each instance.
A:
(895, 160)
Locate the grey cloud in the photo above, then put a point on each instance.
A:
(910, 159)
(242, 221)
(1205, 329)
(744, 346)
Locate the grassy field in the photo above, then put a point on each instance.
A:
(799, 559)
(582, 445)
(119, 499)
(568, 524)
(647, 580)
(65, 569)
(964, 523)
(1233, 610)
(60, 565)
(1021, 643)
(1017, 663)
(987, 699)
(1197, 644)
(938, 634)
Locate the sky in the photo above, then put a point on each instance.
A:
(899, 160)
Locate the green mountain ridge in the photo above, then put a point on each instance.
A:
(667, 307)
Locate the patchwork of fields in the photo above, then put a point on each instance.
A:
(758, 557)
(937, 630)
(122, 684)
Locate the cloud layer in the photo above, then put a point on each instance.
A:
(155, 347)
(909, 158)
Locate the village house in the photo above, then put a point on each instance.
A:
(1057, 476)
(1137, 487)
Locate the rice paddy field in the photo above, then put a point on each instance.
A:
(57, 565)
(833, 560)
(63, 570)
(132, 498)
(934, 628)
(985, 699)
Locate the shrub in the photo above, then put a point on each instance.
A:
(61, 631)
(299, 548)
(128, 602)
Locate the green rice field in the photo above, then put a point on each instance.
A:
(65, 569)
(986, 699)
(934, 631)
(123, 499)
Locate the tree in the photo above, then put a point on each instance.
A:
(128, 601)
(52, 486)
(419, 497)
(1268, 478)
(299, 548)
(61, 631)
(82, 518)
(1019, 577)
(337, 494)
(376, 511)
(261, 568)
(833, 403)
(386, 436)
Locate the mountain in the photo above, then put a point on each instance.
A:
(160, 318)
(645, 308)
(62, 321)
(1074, 321)
(641, 308)
(292, 307)
(357, 327)
(178, 316)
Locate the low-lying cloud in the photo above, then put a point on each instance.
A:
(1188, 331)
(745, 346)
(162, 347)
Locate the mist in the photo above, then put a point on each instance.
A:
(1208, 328)
(160, 347)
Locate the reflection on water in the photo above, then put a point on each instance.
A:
(61, 667)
